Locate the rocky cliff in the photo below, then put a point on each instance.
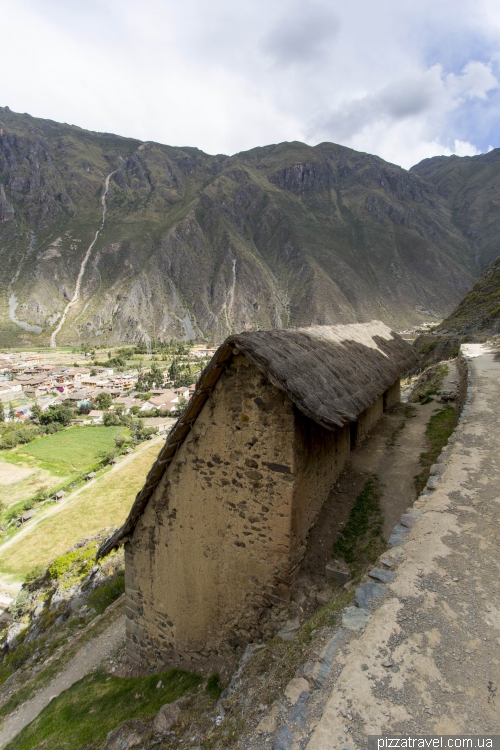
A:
(471, 187)
(195, 245)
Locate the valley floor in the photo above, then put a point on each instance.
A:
(101, 502)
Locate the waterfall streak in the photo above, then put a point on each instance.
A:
(76, 295)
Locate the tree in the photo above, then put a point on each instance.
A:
(84, 409)
(174, 370)
(57, 413)
(2, 412)
(12, 412)
(36, 412)
(110, 419)
(156, 376)
(152, 379)
(104, 400)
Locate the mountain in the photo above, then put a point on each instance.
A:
(476, 318)
(479, 311)
(471, 186)
(195, 245)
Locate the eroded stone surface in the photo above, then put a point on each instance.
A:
(355, 618)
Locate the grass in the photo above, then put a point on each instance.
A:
(438, 430)
(18, 483)
(47, 674)
(106, 594)
(104, 503)
(71, 450)
(81, 717)
(361, 540)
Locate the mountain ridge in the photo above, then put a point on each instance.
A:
(197, 245)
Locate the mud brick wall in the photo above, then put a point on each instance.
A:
(224, 533)
(320, 456)
(368, 418)
(392, 395)
(218, 528)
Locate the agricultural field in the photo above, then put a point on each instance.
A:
(50, 461)
(105, 502)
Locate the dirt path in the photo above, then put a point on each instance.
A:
(89, 656)
(396, 467)
(427, 661)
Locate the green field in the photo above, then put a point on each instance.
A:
(68, 451)
(103, 503)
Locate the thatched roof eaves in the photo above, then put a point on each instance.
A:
(330, 373)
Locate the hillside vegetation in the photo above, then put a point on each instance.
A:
(477, 317)
(198, 245)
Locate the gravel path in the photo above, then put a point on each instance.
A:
(84, 661)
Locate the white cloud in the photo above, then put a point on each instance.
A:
(404, 120)
(228, 76)
(475, 81)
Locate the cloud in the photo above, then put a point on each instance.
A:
(302, 35)
(475, 82)
(427, 100)
(227, 76)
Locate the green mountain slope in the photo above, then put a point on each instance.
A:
(476, 318)
(200, 245)
(479, 311)
(471, 185)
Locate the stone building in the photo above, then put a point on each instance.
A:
(219, 530)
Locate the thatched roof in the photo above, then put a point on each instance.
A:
(331, 373)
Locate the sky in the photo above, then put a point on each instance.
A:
(402, 79)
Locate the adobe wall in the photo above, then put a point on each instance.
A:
(320, 456)
(218, 528)
(225, 531)
(392, 396)
(369, 417)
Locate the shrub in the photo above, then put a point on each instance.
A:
(53, 427)
(80, 561)
(18, 434)
(213, 687)
(20, 605)
(36, 574)
(104, 400)
(110, 419)
(106, 594)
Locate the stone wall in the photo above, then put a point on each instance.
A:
(224, 533)
(392, 396)
(218, 528)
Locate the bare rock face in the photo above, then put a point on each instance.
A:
(167, 716)
(129, 734)
(6, 208)
(198, 245)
